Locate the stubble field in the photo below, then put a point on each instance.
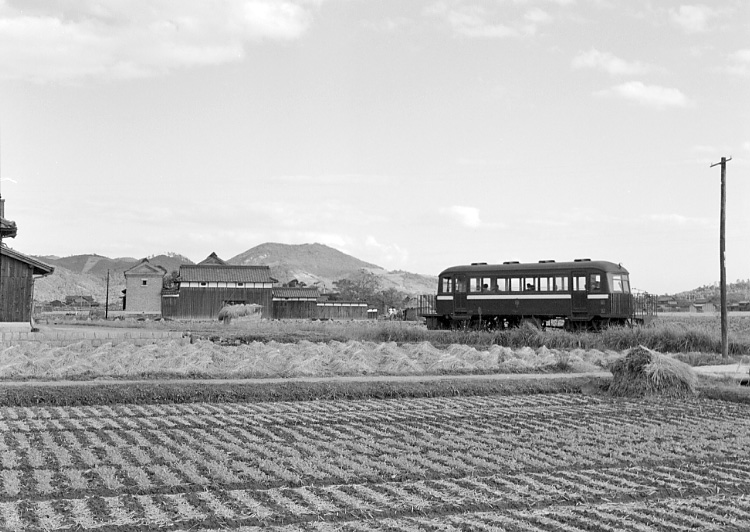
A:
(458, 457)
(534, 463)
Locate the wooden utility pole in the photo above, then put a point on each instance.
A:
(106, 300)
(722, 249)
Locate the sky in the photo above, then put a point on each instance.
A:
(413, 135)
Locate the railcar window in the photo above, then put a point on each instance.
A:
(530, 284)
(595, 283)
(561, 284)
(579, 283)
(625, 284)
(616, 284)
(545, 284)
(479, 284)
(515, 284)
(460, 284)
(502, 285)
(445, 285)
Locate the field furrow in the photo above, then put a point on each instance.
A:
(537, 463)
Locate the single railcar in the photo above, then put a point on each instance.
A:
(582, 294)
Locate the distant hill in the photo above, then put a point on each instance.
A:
(321, 265)
(308, 263)
(86, 275)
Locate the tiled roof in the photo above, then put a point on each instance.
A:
(39, 267)
(286, 292)
(225, 274)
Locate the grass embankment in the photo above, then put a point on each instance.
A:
(205, 391)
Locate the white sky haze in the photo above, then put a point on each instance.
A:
(414, 135)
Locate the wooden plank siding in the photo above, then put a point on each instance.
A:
(344, 310)
(286, 309)
(16, 285)
(205, 303)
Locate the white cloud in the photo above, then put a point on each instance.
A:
(468, 216)
(739, 63)
(649, 95)
(677, 219)
(69, 40)
(386, 253)
(609, 63)
(693, 19)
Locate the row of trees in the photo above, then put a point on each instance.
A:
(366, 286)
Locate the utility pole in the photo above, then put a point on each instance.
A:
(106, 299)
(722, 249)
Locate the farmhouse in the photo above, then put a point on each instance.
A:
(17, 273)
(702, 306)
(206, 287)
(143, 287)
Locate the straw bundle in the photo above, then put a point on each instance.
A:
(643, 372)
(230, 312)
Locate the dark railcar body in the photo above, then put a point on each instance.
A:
(578, 294)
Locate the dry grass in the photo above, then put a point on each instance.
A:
(643, 372)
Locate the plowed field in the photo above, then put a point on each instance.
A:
(540, 462)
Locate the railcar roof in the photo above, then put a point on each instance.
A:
(536, 267)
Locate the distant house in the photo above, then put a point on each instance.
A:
(702, 306)
(206, 287)
(667, 304)
(80, 301)
(143, 287)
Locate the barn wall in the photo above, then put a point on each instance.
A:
(342, 311)
(16, 285)
(205, 303)
(283, 309)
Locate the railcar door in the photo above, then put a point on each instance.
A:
(579, 297)
(459, 295)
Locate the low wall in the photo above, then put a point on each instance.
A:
(94, 337)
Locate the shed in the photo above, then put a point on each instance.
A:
(17, 274)
(206, 287)
(295, 303)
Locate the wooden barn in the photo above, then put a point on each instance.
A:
(17, 273)
(206, 287)
(295, 303)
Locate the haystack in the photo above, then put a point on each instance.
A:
(643, 372)
(231, 312)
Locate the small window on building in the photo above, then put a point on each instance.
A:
(144, 282)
